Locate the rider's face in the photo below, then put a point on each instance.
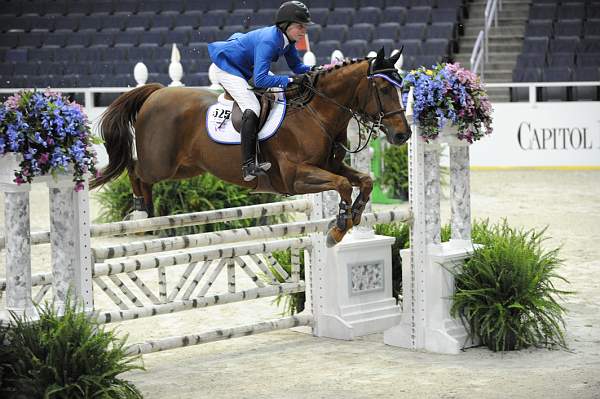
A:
(296, 31)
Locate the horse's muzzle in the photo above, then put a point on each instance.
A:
(396, 138)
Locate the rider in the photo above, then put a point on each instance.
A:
(248, 56)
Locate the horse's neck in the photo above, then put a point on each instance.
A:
(340, 87)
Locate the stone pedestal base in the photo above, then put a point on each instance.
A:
(426, 322)
(357, 284)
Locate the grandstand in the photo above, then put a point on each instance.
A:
(84, 43)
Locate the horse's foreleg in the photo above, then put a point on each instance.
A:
(310, 179)
(365, 184)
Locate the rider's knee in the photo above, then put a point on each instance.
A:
(253, 110)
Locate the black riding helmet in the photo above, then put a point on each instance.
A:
(292, 11)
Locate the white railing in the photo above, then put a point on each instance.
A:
(533, 86)
(481, 48)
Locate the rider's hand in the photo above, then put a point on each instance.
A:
(299, 80)
(316, 68)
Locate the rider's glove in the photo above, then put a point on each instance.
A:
(299, 80)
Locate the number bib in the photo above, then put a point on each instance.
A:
(220, 128)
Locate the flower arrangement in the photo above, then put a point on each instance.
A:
(449, 93)
(51, 133)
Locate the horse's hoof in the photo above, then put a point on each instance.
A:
(330, 241)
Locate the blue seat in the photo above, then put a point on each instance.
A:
(527, 75)
(123, 68)
(239, 17)
(93, 23)
(227, 31)
(443, 30)
(89, 54)
(53, 8)
(138, 22)
(226, 5)
(103, 39)
(101, 68)
(367, 15)
(9, 40)
(151, 39)
(588, 60)
(539, 29)
(197, 79)
(426, 60)
(33, 8)
(127, 6)
(531, 61)
(387, 44)
(263, 18)
(435, 47)
(187, 20)
(214, 18)
(178, 37)
(388, 30)
(42, 24)
(571, 11)
(536, 45)
(172, 7)
(32, 39)
(77, 40)
(334, 32)
(418, 14)
(68, 23)
(78, 8)
(314, 33)
(361, 32)
(116, 54)
(205, 34)
(561, 59)
(400, 3)
(196, 5)
(439, 15)
(545, 12)
(341, 16)
(589, 45)
(394, 14)
(13, 24)
(326, 47)
(412, 48)
(591, 29)
(356, 48)
(141, 54)
(564, 45)
(586, 93)
(115, 23)
(162, 21)
(345, 4)
(43, 54)
(570, 28)
(127, 39)
(555, 74)
(412, 31)
(319, 16)
(592, 11)
(430, 3)
(102, 7)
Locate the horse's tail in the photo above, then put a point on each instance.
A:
(115, 125)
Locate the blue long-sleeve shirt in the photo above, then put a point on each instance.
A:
(249, 55)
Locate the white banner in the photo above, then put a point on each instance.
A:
(550, 134)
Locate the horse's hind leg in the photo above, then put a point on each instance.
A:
(142, 194)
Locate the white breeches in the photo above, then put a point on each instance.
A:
(239, 89)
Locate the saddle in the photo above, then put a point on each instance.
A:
(265, 99)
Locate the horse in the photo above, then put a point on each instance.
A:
(307, 153)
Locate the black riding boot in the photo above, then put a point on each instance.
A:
(248, 133)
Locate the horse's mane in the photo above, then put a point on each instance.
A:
(336, 67)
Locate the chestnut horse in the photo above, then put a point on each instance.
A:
(306, 154)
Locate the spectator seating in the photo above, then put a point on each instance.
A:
(561, 44)
(98, 42)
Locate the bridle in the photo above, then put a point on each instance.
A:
(364, 120)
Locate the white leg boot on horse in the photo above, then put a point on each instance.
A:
(251, 168)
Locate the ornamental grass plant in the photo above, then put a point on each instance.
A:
(50, 132)
(65, 356)
(506, 294)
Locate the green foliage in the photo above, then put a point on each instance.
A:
(395, 171)
(68, 356)
(200, 193)
(505, 293)
(401, 232)
(292, 303)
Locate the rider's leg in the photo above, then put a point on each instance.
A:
(239, 89)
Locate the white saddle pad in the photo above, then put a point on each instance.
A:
(220, 128)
